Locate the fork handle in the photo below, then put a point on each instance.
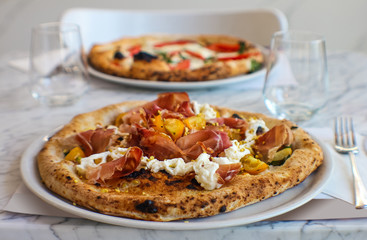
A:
(359, 188)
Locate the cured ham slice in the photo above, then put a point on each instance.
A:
(236, 123)
(94, 141)
(172, 100)
(177, 102)
(172, 103)
(159, 145)
(210, 141)
(117, 168)
(270, 142)
(227, 171)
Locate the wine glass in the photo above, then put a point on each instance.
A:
(296, 82)
(58, 74)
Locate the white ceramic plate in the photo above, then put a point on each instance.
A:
(263, 210)
(176, 85)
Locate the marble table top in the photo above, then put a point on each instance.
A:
(22, 119)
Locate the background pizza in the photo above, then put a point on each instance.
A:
(177, 58)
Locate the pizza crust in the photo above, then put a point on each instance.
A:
(160, 196)
(101, 58)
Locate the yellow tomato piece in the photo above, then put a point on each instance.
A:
(282, 154)
(157, 123)
(74, 154)
(118, 120)
(195, 122)
(253, 165)
(174, 127)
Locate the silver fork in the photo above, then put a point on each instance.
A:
(345, 142)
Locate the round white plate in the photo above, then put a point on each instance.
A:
(274, 206)
(176, 85)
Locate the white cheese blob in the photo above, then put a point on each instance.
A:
(91, 162)
(205, 109)
(193, 47)
(205, 172)
(175, 166)
(95, 160)
(254, 124)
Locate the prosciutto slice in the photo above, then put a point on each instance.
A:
(270, 142)
(175, 102)
(227, 171)
(236, 123)
(158, 145)
(94, 141)
(117, 168)
(211, 141)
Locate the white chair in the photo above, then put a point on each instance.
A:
(103, 25)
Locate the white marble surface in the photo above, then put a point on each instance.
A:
(22, 119)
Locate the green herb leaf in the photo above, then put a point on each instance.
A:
(255, 65)
(242, 47)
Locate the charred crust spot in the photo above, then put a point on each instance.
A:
(68, 178)
(294, 127)
(204, 204)
(136, 173)
(166, 173)
(170, 183)
(213, 200)
(151, 178)
(276, 183)
(97, 184)
(223, 208)
(99, 197)
(226, 196)
(275, 193)
(147, 207)
(194, 182)
(192, 187)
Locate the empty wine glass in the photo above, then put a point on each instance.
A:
(296, 82)
(58, 74)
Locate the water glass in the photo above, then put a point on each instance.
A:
(296, 82)
(58, 69)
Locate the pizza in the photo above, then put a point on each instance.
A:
(177, 58)
(173, 158)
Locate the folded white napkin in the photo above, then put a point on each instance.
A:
(340, 184)
(21, 64)
(44, 63)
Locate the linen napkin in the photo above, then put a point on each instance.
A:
(340, 186)
(44, 63)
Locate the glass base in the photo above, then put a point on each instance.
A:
(295, 112)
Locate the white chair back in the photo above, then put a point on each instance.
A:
(104, 25)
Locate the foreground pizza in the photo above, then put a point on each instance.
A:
(173, 158)
(177, 58)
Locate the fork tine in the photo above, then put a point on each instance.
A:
(336, 131)
(354, 141)
(347, 139)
